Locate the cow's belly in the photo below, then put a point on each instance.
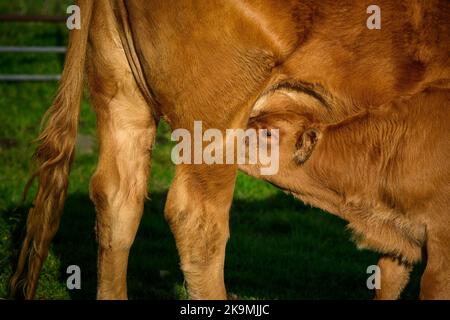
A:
(210, 60)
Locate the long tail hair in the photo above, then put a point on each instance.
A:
(53, 157)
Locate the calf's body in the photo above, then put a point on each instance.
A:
(385, 171)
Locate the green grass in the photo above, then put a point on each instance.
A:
(279, 249)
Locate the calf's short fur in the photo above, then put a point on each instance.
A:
(385, 170)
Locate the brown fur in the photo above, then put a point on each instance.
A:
(384, 170)
(211, 61)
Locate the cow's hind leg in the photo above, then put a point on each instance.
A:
(126, 131)
(197, 211)
(119, 185)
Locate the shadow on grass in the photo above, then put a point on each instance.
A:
(279, 249)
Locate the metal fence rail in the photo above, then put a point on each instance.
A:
(29, 77)
(31, 49)
(31, 18)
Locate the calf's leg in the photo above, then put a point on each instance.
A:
(394, 278)
(435, 282)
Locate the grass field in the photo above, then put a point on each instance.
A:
(279, 249)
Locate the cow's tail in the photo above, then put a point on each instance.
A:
(53, 157)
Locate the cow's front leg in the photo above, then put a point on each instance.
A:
(394, 278)
(197, 211)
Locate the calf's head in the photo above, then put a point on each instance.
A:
(295, 133)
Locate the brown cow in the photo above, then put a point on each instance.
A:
(384, 170)
(207, 60)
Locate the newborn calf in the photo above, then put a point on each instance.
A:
(386, 171)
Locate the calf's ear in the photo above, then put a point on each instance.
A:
(305, 145)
